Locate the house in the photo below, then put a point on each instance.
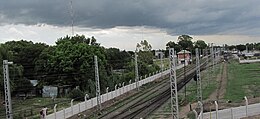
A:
(184, 57)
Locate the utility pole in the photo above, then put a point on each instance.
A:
(8, 102)
(173, 81)
(136, 72)
(97, 83)
(199, 90)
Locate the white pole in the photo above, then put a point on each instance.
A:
(64, 113)
(231, 110)
(123, 87)
(97, 83)
(136, 72)
(115, 90)
(129, 85)
(8, 102)
(86, 98)
(196, 114)
(216, 109)
(79, 106)
(201, 109)
(107, 92)
(246, 106)
(54, 108)
(71, 105)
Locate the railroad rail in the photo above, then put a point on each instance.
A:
(142, 106)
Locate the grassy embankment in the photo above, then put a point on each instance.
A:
(243, 80)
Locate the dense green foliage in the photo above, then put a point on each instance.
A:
(70, 62)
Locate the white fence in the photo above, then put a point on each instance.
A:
(234, 113)
(80, 107)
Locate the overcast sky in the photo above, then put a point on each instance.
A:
(123, 23)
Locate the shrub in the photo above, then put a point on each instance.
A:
(76, 94)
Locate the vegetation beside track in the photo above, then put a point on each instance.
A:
(243, 80)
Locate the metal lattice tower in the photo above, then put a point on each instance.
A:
(207, 67)
(161, 59)
(8, 102)
(212, 57)
(72, 18)
(173, 82)
(97, 83)
(199, 90)
(136, 72)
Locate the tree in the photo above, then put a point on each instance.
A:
(185, 42)
(144, 46)
(117, 59)
(71, 62)
(172, 44)
(200, 44)
(25, 53)
(241, 47)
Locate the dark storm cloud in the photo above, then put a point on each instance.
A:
(198, 17)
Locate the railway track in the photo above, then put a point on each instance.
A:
(142, 106)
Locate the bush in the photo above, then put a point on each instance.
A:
(76, 94)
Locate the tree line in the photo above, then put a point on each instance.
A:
(71, 62)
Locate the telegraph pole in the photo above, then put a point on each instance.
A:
(199, 90)
(136, 72)
(97, 83)
(173, 81)
(8, 102)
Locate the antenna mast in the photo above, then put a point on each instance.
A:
(72, 18)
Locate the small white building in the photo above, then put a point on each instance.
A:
(184, 57)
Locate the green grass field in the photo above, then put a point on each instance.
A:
(31, 107)
(243, 80)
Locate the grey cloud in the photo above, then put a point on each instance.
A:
(197, 17)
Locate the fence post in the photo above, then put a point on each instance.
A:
(79, 107)
(123, 84)
(86, 97)
(129, 85)
(231, 110)
(196, 114)
(115, 90)
(216, 109)
(107, 92)
(201, 109)
(54, 108)
(64, 113)
(246, 106)
(71, 105)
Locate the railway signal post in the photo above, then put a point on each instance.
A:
(173, 82)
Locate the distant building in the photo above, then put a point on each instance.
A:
(159, 54)
(184, 57)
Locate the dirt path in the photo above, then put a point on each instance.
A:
(221, 90)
